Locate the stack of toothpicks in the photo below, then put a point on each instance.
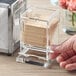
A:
(36, 34)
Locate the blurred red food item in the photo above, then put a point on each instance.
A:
(63, 3)
(68, 4)
(72, 5)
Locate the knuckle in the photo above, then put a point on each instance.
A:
(67, 54)
(71, 60)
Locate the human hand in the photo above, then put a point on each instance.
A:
(65, 54)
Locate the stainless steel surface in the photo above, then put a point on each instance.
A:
(70, 31)
(12, 6)
(7, 1)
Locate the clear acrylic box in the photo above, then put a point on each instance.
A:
(37, 28)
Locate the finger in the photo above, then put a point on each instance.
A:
(71, 67)
(65, 55)
(53, 47)
(69, 61)
(65, 46)
(54, 55)
(58, 49)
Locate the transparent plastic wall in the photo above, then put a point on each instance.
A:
(17, 8)
(37, 29)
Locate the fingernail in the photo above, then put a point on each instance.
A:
(62, 64)
(50, 56)
(59, 59)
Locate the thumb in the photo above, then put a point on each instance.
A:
(58, 49)
(65, 46)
